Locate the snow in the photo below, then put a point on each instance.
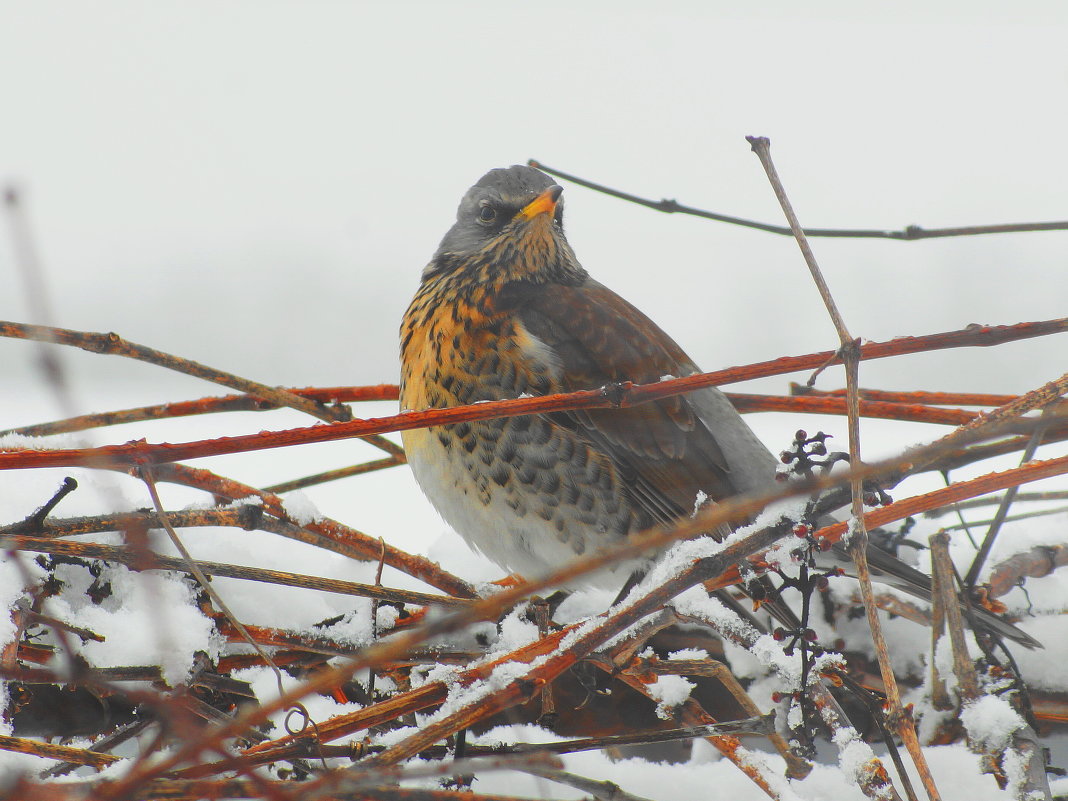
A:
(354, 627)
(669, 692)
(386, 617)
(687, 653)
(707, 775)
(301, 508)
(854, 755)
(150, 619)
(264, 684)
(991, 721)
(516, 631)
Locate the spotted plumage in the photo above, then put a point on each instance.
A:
(505, 309)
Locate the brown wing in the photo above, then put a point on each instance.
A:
(663, 450)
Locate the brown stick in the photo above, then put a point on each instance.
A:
(963, 668)
(335, 475)
(211, 405)
(122, 555)
(833, 405)
(939, 692)
(78, 756)
(918, 397)
(323, 532)
(113, 344)
(858, 544)
(1037, 562)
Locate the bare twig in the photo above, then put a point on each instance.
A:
(1037, 562)
(968, 525)
(834, 405)
(858, 543)
(335, 475)
(912, 232)
(918, 397)
(31, 267)
(77, 756)
(112, 553)
(210, 405)
(116, 345)
(963, 668)
(601, 790)
(322, 532)
(760, 724)
(972, 575)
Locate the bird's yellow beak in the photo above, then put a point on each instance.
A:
(545, 203)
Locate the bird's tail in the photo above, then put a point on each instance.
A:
(891, 571)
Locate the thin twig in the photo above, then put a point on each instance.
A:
(941, 566)
(125, 556)
(761, 724)
(209, 405)
(202, 580)
(601, 790)
(858, 543)
(103, 745)
(31, 267)
(1049, 495)
(322, 532)
(335, 475)
(1037, 562)
(114, 344)
(972, 576)
(967, 525)
(911, 233)
(77, 756)
(834, 405)
(917, 397)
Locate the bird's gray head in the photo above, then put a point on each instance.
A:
(499, 206)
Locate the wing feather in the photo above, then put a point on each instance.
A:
(663, 450)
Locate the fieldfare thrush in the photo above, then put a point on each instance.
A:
(505, 309)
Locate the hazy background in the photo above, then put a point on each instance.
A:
(256, 185)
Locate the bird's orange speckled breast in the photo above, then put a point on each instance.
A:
(525, 491)
(455, 350)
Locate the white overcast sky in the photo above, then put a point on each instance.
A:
(258, 184)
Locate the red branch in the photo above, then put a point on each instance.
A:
(626, 394)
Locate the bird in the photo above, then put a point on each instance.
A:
(504, 309)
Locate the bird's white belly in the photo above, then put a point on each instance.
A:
(527, 545)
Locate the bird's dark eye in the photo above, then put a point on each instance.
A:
(487, 214)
